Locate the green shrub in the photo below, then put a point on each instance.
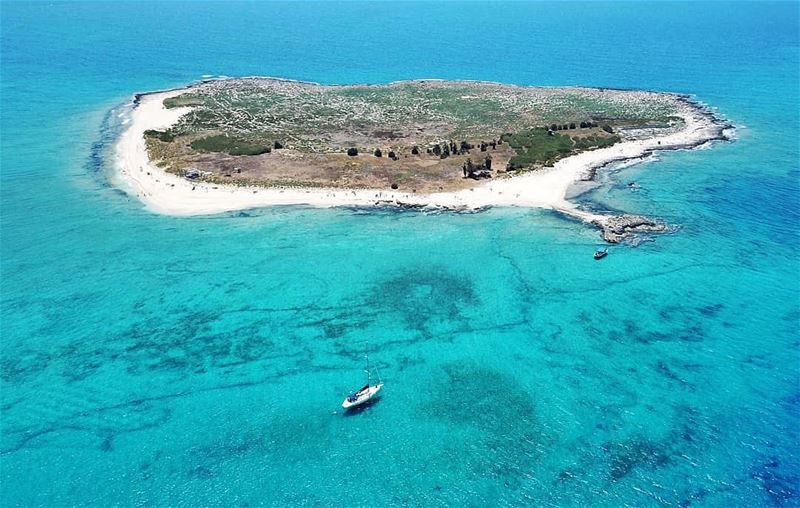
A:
(229, 145)
(182, 100)
(165, 136)
(536, 146)
(593, 141)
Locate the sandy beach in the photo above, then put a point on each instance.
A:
(168, 194)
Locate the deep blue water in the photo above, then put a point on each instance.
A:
(149, 360)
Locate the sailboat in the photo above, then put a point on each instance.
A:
(366, 392)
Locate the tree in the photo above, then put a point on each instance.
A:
(378, 152)
(352, 152)
(437, 149)
(487, 162)
(470, 169)
(415, 150)
(553, 127)
(608, 129)
(572, 125)
(277, 145)
(392, 155)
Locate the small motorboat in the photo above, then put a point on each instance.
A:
(361, 396)
(366, 392)
(601, 253)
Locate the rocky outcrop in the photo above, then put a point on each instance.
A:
(618, 227)
(425, 207)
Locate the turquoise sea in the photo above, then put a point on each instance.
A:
(153, 361)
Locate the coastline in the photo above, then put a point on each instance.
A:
(169, 194)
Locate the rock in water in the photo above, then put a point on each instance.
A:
(617, 227)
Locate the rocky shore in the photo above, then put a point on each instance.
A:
(616, 228)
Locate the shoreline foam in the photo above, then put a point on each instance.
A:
(172, 195)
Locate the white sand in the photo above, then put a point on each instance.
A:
(172, 195)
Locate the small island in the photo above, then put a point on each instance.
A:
(230, 144)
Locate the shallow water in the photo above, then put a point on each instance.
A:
(157, 360)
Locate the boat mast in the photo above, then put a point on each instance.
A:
(368, 370)
(379, 374)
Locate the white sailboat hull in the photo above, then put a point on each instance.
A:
(362, 396)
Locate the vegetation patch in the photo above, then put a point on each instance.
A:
(592, 142)
(536, 146)
(165, 136)
(541, 145)
(230, 145)
(184, 100)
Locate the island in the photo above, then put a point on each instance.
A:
(232, 144)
